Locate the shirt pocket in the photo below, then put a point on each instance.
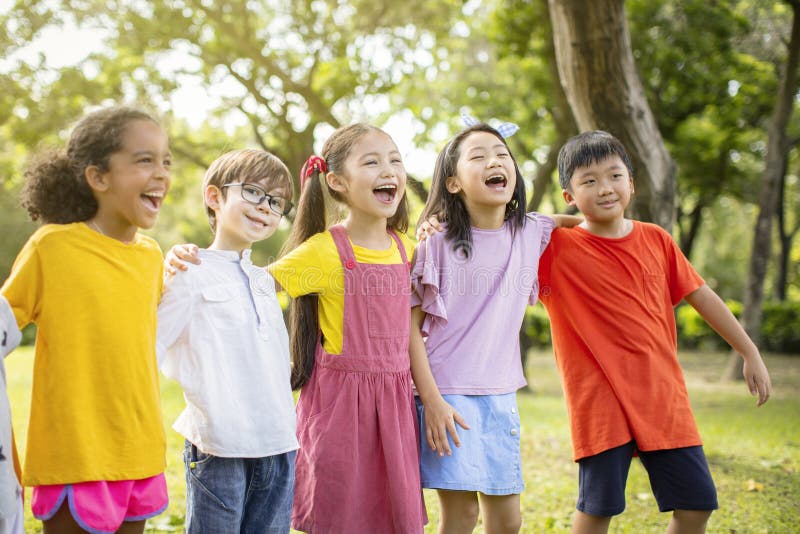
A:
(224, 306)
(656, 295)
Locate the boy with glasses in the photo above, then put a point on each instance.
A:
(222, 336)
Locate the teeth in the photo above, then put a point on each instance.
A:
(154, 195)
(387, 187)
(256, 220)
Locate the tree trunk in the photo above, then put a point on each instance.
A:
(786, 237)
(598, 74)
(562, 118)
(778, 145)
(706, 195)
(542, 182)
(690, 234)
(544, 177)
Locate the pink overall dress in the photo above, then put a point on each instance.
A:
(357, 470)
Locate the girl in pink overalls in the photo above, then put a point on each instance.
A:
(357, 469)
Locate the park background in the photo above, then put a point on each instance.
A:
(703, 94)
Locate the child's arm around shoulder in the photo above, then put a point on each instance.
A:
(711, 307)
(564, 220)
(178, 256)
(433, 226)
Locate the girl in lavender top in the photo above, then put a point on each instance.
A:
(471, 285)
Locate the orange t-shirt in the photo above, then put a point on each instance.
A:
(611, 304)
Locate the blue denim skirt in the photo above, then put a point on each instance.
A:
(488, 460)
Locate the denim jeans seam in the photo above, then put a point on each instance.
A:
(193, 476)
(196, 479)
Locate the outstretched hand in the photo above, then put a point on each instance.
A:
(440, 420)
(428, 228)
(757, 378)
(178, 255)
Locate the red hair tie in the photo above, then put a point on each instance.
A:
(313, 164)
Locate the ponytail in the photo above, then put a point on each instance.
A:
(303, 313)
(311, 219)
(55, 191)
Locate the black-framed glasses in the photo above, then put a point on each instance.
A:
(255, 195)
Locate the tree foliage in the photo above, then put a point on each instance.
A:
(281, 74)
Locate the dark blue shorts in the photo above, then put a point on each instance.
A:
(680, 480)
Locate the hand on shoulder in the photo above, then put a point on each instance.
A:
(178, 256)
(429, 228)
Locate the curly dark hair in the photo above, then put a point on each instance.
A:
(55, 189)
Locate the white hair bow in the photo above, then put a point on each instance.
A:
(507, 129)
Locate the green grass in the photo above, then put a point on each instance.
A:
(754, 453)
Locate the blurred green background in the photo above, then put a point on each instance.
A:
(281, 75)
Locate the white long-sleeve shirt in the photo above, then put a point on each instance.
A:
(222, 336)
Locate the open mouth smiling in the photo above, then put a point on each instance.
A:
(153, 199)
(385, 193)
(496, 181)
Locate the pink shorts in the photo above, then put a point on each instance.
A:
(101, 507)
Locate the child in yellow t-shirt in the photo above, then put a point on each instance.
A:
(91, 283)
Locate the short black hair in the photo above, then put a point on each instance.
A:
(587, 148)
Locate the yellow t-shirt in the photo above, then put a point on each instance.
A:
(315, 267)
(95, 409)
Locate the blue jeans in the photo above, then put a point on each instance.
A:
(238, 495)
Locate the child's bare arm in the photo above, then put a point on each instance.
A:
(719, 317)
(564, 220)
(440, 417)
(432, 225)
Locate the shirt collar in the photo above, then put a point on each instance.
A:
(225, 255)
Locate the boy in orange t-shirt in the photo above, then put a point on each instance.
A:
(610, 286)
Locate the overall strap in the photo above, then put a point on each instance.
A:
(345, 249)
(400, 245)
(340, 239)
